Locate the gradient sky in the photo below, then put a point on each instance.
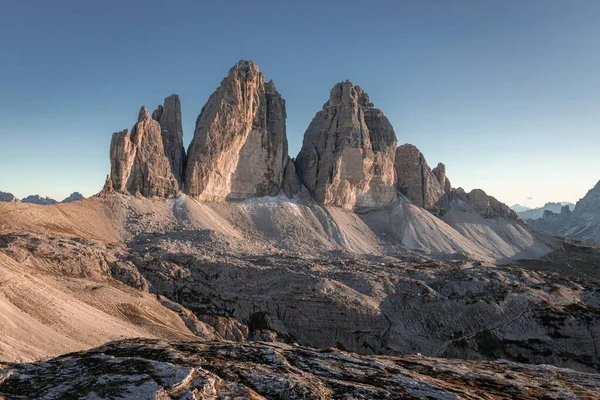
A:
(505, 93)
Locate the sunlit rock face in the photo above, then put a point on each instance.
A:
(138, 161)
(347, 157)
(169, 117)
(239, 149)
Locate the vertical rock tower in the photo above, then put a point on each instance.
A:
(239, 149)
(138, 161)
(347, 157)
(416, 180)
(169, 117)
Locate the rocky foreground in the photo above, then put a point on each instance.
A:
(152, 369)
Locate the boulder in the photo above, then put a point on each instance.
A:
(239, 149)
(347, 156)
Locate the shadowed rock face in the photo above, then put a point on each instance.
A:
(239, 149)
(416, 180)
(138, 160)
(152, 369)
(347, 156)
(169, 117)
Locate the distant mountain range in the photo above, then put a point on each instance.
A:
(37, 199)
(583, 223)
(536, 213)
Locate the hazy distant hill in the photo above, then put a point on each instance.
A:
(536, 213)
(8, 197)
(583, 223)
(519, 208)
(37, 199)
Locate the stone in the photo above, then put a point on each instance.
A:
(347, 155)
(240, 148)
(138, 161)
(168, 116)
(416, 180)
(154, 369)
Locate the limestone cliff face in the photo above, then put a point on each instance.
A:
(138, 161)
(169, 117)
(347, 157)
(416, 180)
(239, 149)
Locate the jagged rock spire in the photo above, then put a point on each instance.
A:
(347, 157)
(239, 149)
(138, 160)
(168, 116)
(416, 180)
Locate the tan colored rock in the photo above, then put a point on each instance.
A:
(440, 174)
(169, 117)
(138, 161)
(122, 153)
(415, 179)
(239, 149)
(347, 155)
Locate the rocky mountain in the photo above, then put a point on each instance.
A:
(168, 116)
(73, 197)
(151, 369)
(347, 157)
(537, 213)
(8, 197)
(239, 149)
(37, 199)
(416, 180)
(519, 208)
(356, 246)
(583, 223)
(139, 163)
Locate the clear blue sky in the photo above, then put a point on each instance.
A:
(506, 93)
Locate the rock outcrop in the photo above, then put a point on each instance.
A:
(169, 117)
(153, 369)
(73, 197)
(440, 174)
(239, 149)
(6, 197)
(138, 160)
(478, 201)
(37, 199)
(347, 155)
(416, 180)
